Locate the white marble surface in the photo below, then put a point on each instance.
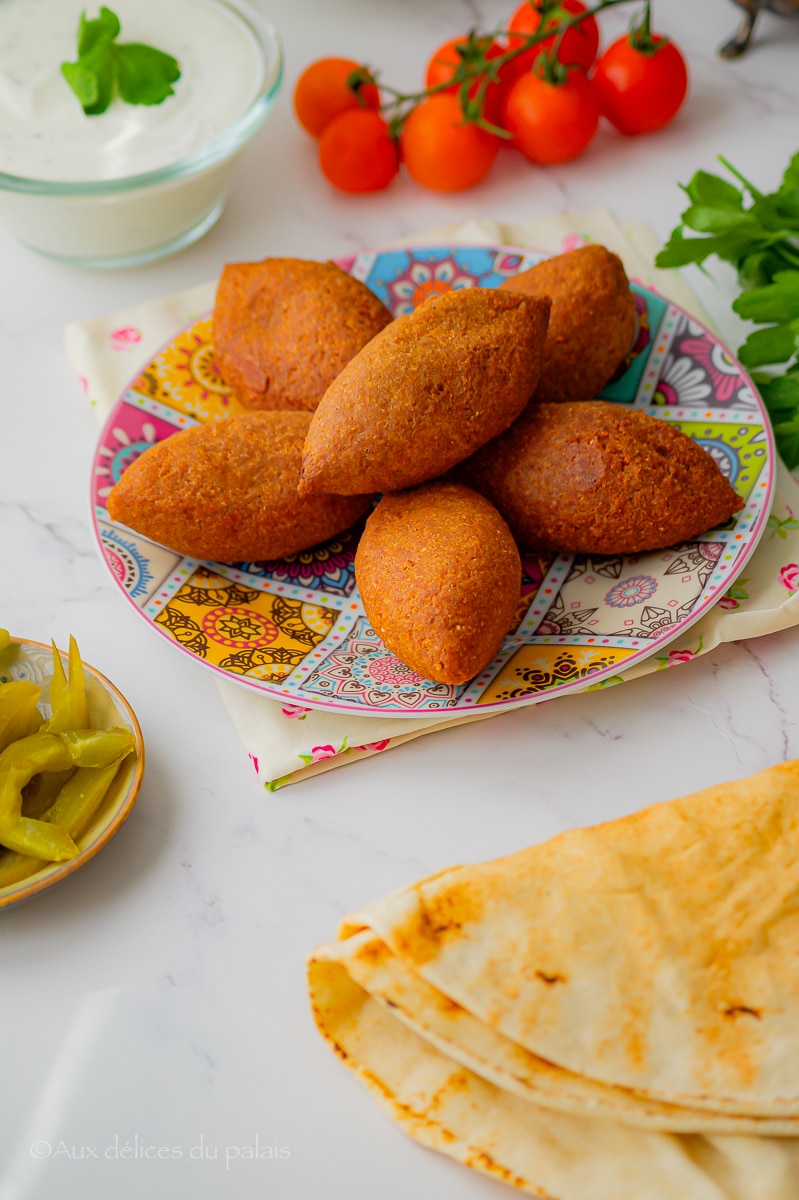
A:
(156, 1001)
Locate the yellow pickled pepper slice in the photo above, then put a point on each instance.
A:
(80, 798)
(74, 808)
(50, 752)
(19, 762)
(19, 715)
(70, 707)
(70, 710)
(97, 747)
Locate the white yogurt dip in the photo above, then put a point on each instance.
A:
(44, 133)
(135, 182)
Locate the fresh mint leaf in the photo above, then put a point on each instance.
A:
(141, 74)
(99, 62)
(83, 83)
(102, 29)
(145, 75)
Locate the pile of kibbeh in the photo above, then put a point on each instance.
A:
(471, 422)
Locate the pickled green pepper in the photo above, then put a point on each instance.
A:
(46, 751)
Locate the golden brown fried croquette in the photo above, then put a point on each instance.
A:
(439, 576)
(596, 478)
(284, 328)
(592, 322)
(227, 491)
(426, 392)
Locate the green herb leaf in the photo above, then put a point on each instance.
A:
(787, 208)
(758, 269)
(145, 75)
(790, 179)
(786, 434)
(102, 29)
(83, 83)
(774, 344)
(759, 234)
(141, 74)
(781, 396)
(99, 62)
(704, 219)
(711, 191)
(680, 251)
(780, 392)
(779, 301)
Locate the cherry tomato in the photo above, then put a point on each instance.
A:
(356, 153)
(641, 90)
(447, 59)
(579, 45)
(321, 93)
(551, 122)
(440, 150)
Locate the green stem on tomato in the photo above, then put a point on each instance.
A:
(486, 71)
(641, 37)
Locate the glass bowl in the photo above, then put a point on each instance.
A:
(107, 707)
(135, 219)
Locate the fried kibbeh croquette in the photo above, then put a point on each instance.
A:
(426, 392)
(227, 491)
(284, 328)
(595, 478)
(439, 575)
(592, 323)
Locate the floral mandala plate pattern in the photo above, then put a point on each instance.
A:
(295, 630)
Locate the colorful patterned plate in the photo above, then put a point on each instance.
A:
(295, 630)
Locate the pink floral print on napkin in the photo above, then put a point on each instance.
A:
(295, 712)
(126, 338)
(675, 657)
(732, 599)
(782, 526)
(789, 576)
(573, 241)
(320, 752)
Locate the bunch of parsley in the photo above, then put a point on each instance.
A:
(141, 74)
(759, 234)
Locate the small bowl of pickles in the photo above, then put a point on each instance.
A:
(71, 764)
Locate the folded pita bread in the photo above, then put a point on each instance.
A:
(658, 953)
(552, 1155)
(610, 1016)
(463, 1037)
